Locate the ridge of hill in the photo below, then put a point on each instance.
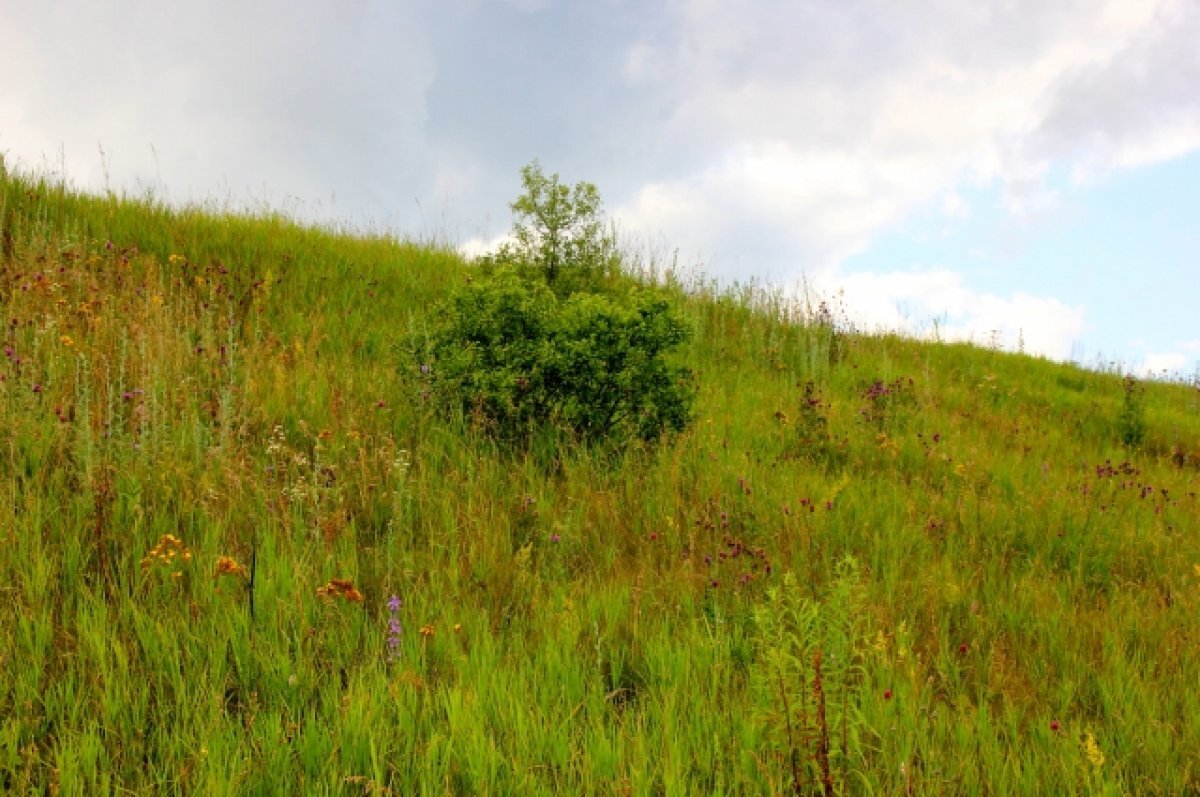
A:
(240, 553)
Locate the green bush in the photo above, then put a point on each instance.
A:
(547, 340)
(516, 359)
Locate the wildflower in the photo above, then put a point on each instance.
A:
(1055, 726)
(395, 628)
(66, 341)
(963, 648)
(428, 630)
(228, 566)
(887, 694)
(340, 587)
(37, 388)
(556, 538)
(165, 552)
(1095, 755)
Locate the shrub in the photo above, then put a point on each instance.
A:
(1131, 420)
(516, 359)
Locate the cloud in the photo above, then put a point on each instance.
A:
(938, 302)
(1163, 364)
(319, 102)
(1135, 108)
(1184, 361)
(833, 126)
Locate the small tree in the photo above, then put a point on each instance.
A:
(559, 234)
(1131, 420)
(536, 345)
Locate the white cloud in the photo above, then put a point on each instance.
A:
(1183, 361)
(271, 100)
(1135, 108)
(939, 302)
(478, 245)
(1164, 364)
(829, 127)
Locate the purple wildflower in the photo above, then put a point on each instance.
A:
(395, 628)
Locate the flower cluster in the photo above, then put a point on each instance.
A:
(168, 551)
(340, 587)
(228, 566)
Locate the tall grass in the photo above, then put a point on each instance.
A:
(872, 566)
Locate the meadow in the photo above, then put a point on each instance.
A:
(240, 553)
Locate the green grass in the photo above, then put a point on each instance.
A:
(962, 569)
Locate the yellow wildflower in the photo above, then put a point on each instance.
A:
(165, 551)
(1095, 755)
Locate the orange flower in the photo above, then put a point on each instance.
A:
(427, 630)
(340, 587)
(228, 566)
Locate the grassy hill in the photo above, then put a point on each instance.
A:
(241, 554)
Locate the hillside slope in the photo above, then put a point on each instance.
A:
(240, 554)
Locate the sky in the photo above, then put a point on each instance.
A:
(1018, 173)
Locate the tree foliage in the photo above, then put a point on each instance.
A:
(559, 234)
